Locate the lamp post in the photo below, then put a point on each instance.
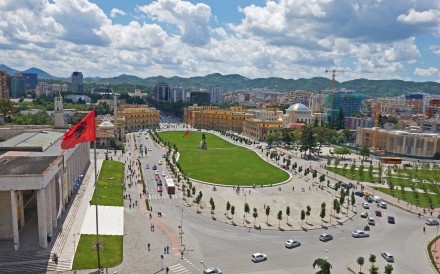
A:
(204, 267)
(326, 252)
(181, 227)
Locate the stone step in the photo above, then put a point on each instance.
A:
(21, 256)
(37, 266)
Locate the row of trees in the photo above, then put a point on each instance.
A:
(373, 268)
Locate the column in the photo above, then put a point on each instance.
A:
(53, 195)
(41, 211)
(20, 202)
(49, 210)
(15, 220)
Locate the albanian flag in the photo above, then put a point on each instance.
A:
(186, 134)
(84, 131)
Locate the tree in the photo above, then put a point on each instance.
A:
(308, 141)
(364, 151)
(279, 217)
(322, 214)
(287, 214)
(323, 265)
(228, 207)
(247, 209)
(352, 200)
(388, 269)
(255, 215)
(372, 258)
(211, 201)
(374, 269)
(303, 216)
(308, 209)
(232, 212)
(267, 214)
(360, 261)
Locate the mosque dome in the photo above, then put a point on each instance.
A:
(298, 107)
(106, 125)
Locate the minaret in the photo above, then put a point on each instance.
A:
(58, 111)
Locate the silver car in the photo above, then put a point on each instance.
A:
(258, 257)
(388, 257)
(360, 234)
(292, 243)
(325, 237)
(212, 270)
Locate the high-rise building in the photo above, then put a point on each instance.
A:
(77, 82)
(4, 84)
(415, 102)
(349, 102)
(18, 86)
(199, 97)
(216, 92)
(163, 92)
(31, 80)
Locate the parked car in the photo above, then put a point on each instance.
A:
(212, 270)
(164, 174)
(359, 193)
(325, 237)
(154, 167)
(364, 214)
(292, 243)
(383, 204)
(378, 213)
(387, 256)
(366, 205)
(359, 234)
(431, 222)
(391, 220)
(369, 199)
(258, 257)
(371, 221)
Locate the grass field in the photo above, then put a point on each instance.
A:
(110, 184)
(423, 200)
(353, 175)
(110, 256)
(223, 162)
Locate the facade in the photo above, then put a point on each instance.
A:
(317, 103)
(215, 118)
(138, 117)
(77, 82)
(267, 114)
(258, 129)
(18, 86)
(300, 97)
(105, 134)
(433, 108)
(355, 122)
(4, 84)
(163, 92)
(431, 125)
(349, 102)
(415, 102)
(216, 94)
(409, 144)
(199, 97)
(37, 181)
(178, 94)
(49, 90)
(31, 80)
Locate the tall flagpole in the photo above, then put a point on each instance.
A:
(96, 205)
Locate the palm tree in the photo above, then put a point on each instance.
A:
(323, 265)
(360, 261)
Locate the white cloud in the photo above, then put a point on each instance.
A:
(426, 72)
(192, 20)
(402, 51)
(114, 12)
(420, 17)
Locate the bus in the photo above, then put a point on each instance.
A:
(391, 160)
(171, 188)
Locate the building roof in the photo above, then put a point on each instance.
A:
(298, 107)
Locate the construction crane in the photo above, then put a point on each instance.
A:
(332, 96)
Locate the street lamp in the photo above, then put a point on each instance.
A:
(326, 252)
(204, 267)
(181, 227)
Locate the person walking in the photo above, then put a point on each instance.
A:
(148, 245)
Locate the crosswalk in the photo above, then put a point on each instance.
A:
(157, 196)
(181, 269)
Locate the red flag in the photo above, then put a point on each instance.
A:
(82, 132)
(186, 134)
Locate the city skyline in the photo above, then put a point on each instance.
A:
(372, 39)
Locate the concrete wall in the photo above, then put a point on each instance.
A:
(6, 215)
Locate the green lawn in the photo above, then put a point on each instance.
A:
(110, 256)
(424, 200)
(355, 175)
(223, 162)
(110, 184)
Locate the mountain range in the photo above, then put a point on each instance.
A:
(370, 88)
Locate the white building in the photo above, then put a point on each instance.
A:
(216, 92)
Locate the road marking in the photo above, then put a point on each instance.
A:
(343, 238)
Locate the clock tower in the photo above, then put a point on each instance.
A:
(58, 112)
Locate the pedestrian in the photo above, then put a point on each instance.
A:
(148, 245)
(165, 250)
(167, 269)
(129, 206)
(168, 249)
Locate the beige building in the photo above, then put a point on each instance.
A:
(211, 117)
(412, 144)
(37, 181)
(258, 129)
(138, 117)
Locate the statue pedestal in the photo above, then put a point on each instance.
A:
(203, 145)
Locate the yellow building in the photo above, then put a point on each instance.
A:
(412, 144)
(211, 117)
(139, 117)
(258, 129)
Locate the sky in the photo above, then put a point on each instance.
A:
(291, 39)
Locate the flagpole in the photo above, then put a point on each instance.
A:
(96, 205)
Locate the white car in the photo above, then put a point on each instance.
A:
(388, 257)
(366, 205)
(212, 270)
(258, 257)
(359, 234)
(383, 205)
(292, 243)
(325, 237)
(164, 174)
(371, 221)
(364, 214)
(149, 149)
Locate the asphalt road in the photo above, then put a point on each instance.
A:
(230, 247)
